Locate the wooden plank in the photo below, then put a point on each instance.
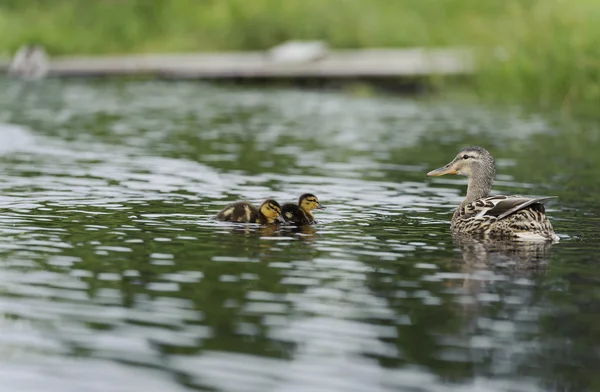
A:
(335, 64)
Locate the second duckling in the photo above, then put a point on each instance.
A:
(268, 213)
(300, 213)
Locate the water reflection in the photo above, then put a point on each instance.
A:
(111, 261)
(506, 254)
(486, 262)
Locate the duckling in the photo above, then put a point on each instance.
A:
(268, 213)
(300, 213)
(294, 214)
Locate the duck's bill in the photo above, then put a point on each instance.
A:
(442, 171)
(280, 219)
(320, 207)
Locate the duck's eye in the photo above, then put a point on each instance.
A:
(465, 156)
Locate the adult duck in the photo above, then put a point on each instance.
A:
(494, 215)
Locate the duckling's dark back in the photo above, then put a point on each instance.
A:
(241, 211)
(294, 214)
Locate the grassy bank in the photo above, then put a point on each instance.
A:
(109, 26)
(544, 52)
(540, 51)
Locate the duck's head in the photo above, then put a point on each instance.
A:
(472, 161)
(309, 202)
(271, 210)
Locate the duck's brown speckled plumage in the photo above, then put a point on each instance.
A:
(292, 213)
(486, 215)
(244, 212)
(496, 216)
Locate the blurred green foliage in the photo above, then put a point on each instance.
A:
(112, 26)
(544, 52)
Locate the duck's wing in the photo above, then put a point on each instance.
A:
(241, 211)
(294, 214)
(502, 206)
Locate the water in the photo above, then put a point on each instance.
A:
(115, 277)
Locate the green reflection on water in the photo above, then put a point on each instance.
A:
(109, 250)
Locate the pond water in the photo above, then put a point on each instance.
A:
(114, 275)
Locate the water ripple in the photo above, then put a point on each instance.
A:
(115, 276)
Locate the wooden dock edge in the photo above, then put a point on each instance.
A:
(334, 64)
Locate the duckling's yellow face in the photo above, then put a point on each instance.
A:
(309, 202)
(271, 210)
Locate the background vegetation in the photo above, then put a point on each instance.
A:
(546, 52)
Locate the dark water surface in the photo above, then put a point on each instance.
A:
(115, 277)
